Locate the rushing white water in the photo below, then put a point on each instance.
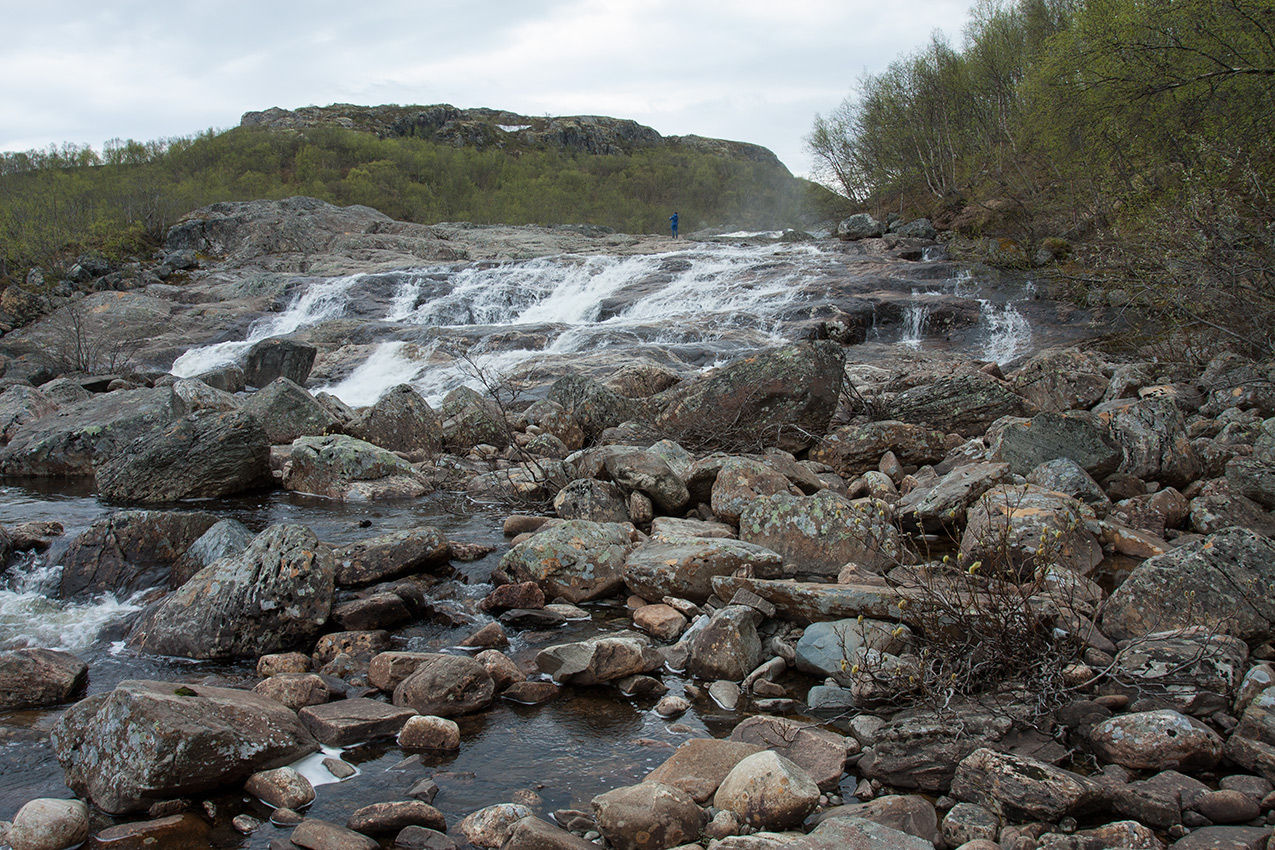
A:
(314, 304)
(1008, 334)
(915, 319)
(31, 615)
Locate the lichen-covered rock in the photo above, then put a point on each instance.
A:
(402, 421)
(577, 560)
(648, 816)
(391, 555)
(922, 751)
(190, 395)
(149, 741)
(1252, 742)
(205, 455)
(782, 397)
(822, 533)
(1062, 380)
(1081, 437)
(592, 500)
(129, 550)
(287, 412)
(768, 792)
(1218, 505)
(1152, 432)
(1022, 789)
(832, 649)
(1254, 478)
(685, 568)
(1017, 529)
(942, 505)
(470, 419)
(741, 481)
(225, 538)
(593, 405)
(648, 472)
(1195, 669)
(275, 595)
(20, 404)
(1157, 740)
(490, 827)
(349, 469)
(446, 686)
(962, 404)
(1224, 581)
(854, 449)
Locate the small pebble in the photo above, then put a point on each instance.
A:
(246, 824)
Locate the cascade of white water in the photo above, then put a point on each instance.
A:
(1006, 332)
(32, 615)
(915, 319)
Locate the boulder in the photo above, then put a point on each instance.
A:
(1219, 582)
(225, 538)
(401, 421)
(922, 750)
(1064, 475)
(782, 397)
(274, 596)
(149, 741)
(599, 659)
(295, 690)
(810, 602)
(391, 555)
(68, 444)
(699, 765)
(820, 534)
(446, 686)
(472, 419)
(963, 404)
(33, 678)
(859, 226)
(491, 826)
(1079, 436)
(832, 649)
(685, 568)
(1156, 740)
(592, 500)
(741, 481)
(1195, 670)
(276, 358)
(1018, 529)
(862, 834)
(552, 419)
(315, 834)
(206, 455)
(768, 792)
(1152, 512)
(532, 833)
(852, 450)
(577, 560)
(1153, 436)
(820, 752)
(282, 788)
(389, 818)
(728, 647)
(648, 816)
(191, 396)
(663, 622)
(1253, 478)
(943, 504)
(591, 404)
(48, 824)
(1022, 789)
(1219, 506)
(1056, 381)
(129, 550)
(429, 733)
(287, 412)
(1252, 743)
(353, 721)
(351, 470)
(19, 405)
(909, 813)
(646, 471)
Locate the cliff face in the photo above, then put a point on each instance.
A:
(497, 128)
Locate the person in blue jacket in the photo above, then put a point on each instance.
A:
(672, 220)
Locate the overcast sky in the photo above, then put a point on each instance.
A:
(736, 69)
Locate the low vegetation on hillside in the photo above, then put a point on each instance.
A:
(1142, 127)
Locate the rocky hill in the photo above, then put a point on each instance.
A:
(498, 128)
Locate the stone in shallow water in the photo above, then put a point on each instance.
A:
(768, 791)
(352, 721)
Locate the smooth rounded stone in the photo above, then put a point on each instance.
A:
(1223, 807)
(352, 721)
(648, 816)
(1021, 789)
(390, 817)
(1064, 475)
(295, 690)
(245, 824)
(314, 834)
(910, 813)
(1007, 524)
(967, 822)
(831, 649)
(672, 706)
(726, 694)
(272, 664)
(275, 595)
(685, 567)
(641, 686)
(820, 534)
(516, 524)
(1224, 838)
(699, 765)
(421, 838)
(49, 824)
(1157, 740)
(31, 677)
(375, 611)
(660, 621)
(728, 647)
(429, 733)
(577, 560)
(592, 500)
(1219, 573)
(1257, 787)
(830, 699)
(534, 619)
(600, 659)
(180, 830)
(347, 469)
(821, 753)
(530, 693)
(147, 741)
(489, 636)
(503, 670)
(338, 768)
(282, 787)
(740, 482)
(447, 686)
(207, 454)
(490, 827)
(768, 791)
(286, 817)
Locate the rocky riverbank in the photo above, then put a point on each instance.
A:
(944, 606)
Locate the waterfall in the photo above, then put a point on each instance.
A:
(1005, 331)
(32, 615)
(915, 319)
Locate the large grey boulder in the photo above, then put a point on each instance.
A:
(1194, 670)
(391, 555)
(205, 455)
(1152, 433)
(32, 677)
(964, 404)
(1026, 444)
(275, 595)
(226, 538)
(276, 358)
(287, 412)
(1220, 582)
(190, 395)
(645, 471)
(1017, 529)
(852, 450)
(859, 226)
(1254, 478)
(350, 470)
(446, 686)
(685, 567)
(768, 792)
(577, 560)
(150, 741)
(129, 550)
(1162, 739)
(1022, 789)
(922, 750)
(728, 647)
(740, 481)
(66, 445)
(782, 397)
(19, 405)
(591, 404)
(592, 500)
(1062, 380)
(832, 649)
(647, 816)
(599, 659)
(820, 534)
(942, 505)
(401, 421)
(470, 418)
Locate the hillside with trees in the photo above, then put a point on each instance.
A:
(1134, 134)
(417, 164)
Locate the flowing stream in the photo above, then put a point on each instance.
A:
(690, 309)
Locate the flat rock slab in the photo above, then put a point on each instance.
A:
(699, 765)
(810, 602)
(351, 721)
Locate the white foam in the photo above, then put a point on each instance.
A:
(31, 616)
